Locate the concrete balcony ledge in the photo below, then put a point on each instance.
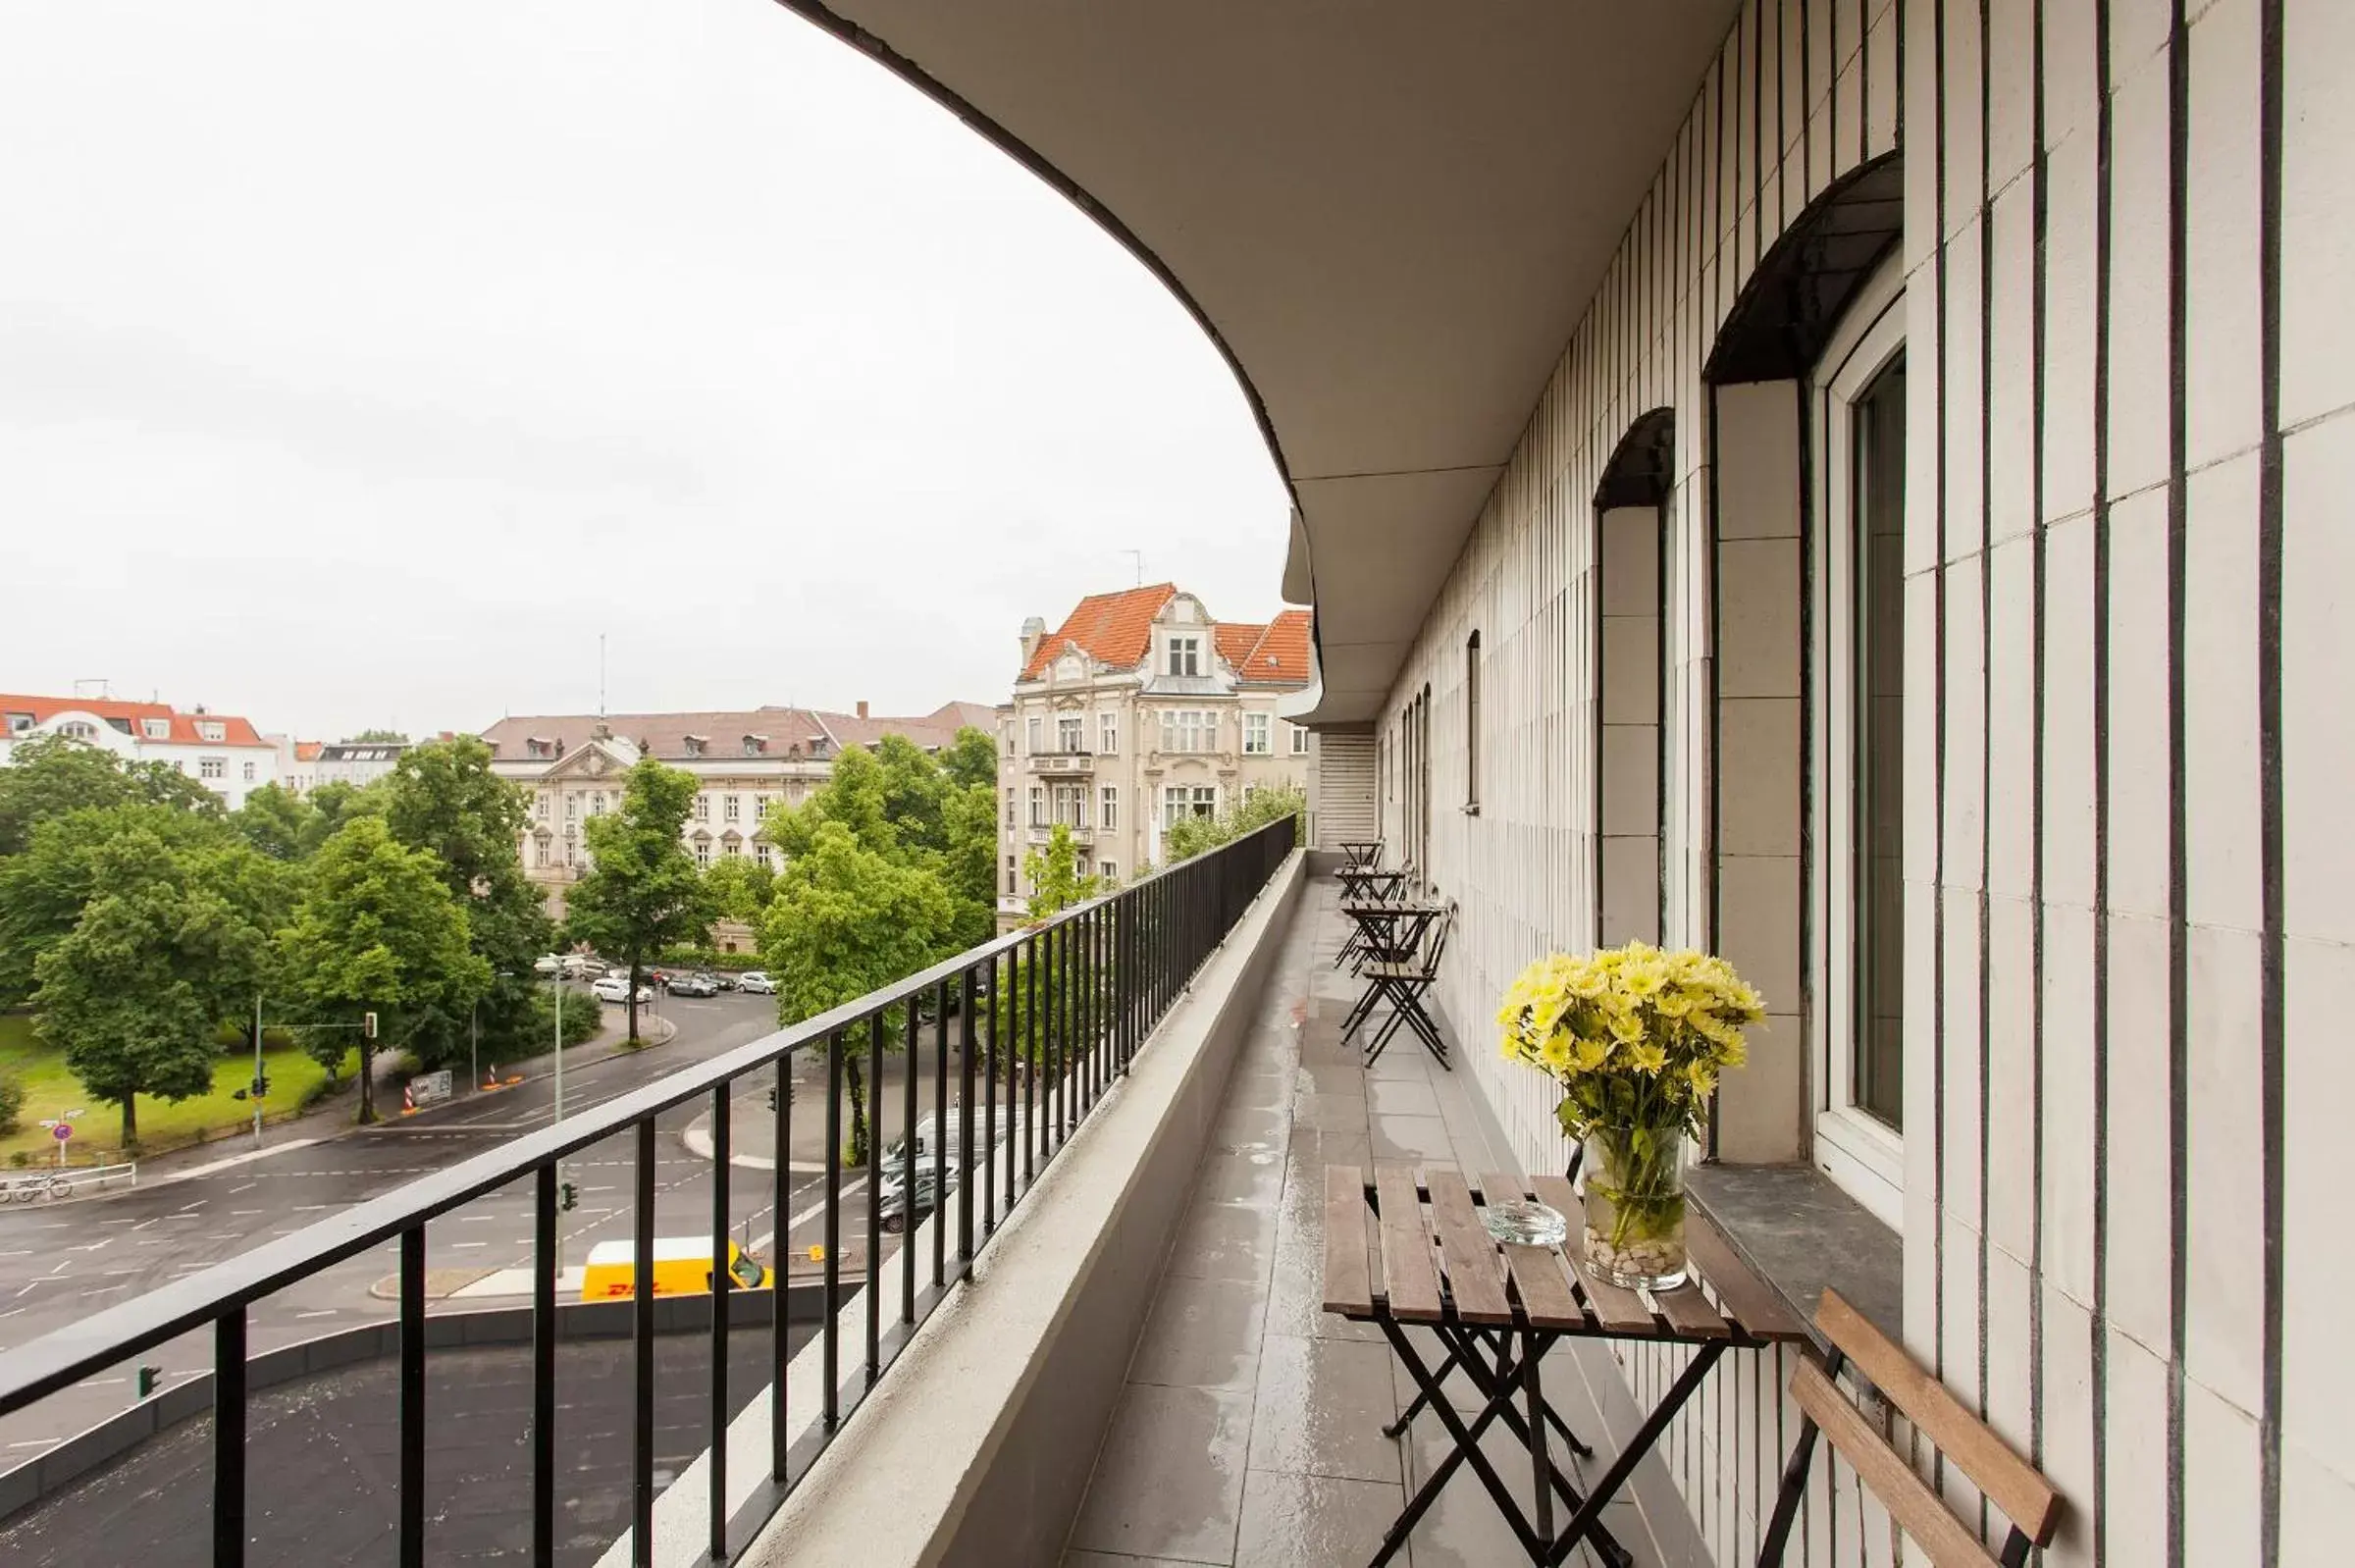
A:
(977, 1447)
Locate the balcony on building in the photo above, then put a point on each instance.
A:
(1062, 764)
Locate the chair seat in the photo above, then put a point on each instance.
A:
(1396, 972)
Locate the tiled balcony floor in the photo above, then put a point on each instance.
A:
(1251, 1429)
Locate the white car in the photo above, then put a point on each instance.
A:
(617, 988)
(547, 963)
(755, 981)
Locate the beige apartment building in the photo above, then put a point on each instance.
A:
(745, 763)
(1143, 709)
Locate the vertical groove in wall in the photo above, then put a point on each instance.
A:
(1987, 294)
(2100, 1348)
(2038, 217)
(2178, 930)
(1938, 722)
(2270, 1025)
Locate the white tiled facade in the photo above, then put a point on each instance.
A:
(2128, 904)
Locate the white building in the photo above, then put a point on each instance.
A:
(1137, 711)
(745, 763)
(220, 750)
(358, 763)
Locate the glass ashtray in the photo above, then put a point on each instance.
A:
(1525, 1224)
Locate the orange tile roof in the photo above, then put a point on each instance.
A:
(1115, 629)
(234, 731)
(1281, 657)
(1234, 640)
(307, 751)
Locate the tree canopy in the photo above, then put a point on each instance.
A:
(972, 759)
(378, 930)
(1190, 836)
(739, 888)
(50, 775)
(643, 892)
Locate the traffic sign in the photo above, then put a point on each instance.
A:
(62, 1131)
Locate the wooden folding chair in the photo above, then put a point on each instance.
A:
(1403, 982)
(2008, 1481)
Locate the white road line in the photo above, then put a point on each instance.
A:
(470, 1243)
(320, 1208)
(234, 1192)
(324, 1311)
(34, 1443)
(21, 1252)
(477, 1219)
(241, 1213)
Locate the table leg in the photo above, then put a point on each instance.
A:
(1541, 1468)
(1465, 1451)
(1632, 1452)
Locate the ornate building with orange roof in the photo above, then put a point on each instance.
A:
(1141, 708)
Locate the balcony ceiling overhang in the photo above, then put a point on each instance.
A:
(1388, 214)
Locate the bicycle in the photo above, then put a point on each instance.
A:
(27, 1192)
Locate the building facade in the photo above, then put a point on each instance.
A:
(220, 750)
(1138, 710)
(744, 763)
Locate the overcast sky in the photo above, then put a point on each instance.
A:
(361, 364)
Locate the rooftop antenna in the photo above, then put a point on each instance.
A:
(1138, 557)
(105, 686)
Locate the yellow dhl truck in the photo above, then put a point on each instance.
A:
(682, 1268)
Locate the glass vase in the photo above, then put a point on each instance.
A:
(1634, 1181)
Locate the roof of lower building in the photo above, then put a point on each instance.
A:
(1113, 629)
(130, 718)
(771, 733)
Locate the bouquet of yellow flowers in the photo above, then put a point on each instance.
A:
(1637, 1037)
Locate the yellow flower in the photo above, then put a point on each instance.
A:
(1554, 1056)
(1593, 1053)
(1648, 1056)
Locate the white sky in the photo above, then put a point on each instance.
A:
(359, 364)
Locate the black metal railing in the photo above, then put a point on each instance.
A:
(1045, 1021)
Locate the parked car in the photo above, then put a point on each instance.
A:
(757, 982)
(582, 965)
(548, 964)
(725, 979)
(693, 986)
(891, 1198)
(617, 988)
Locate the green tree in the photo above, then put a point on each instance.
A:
(853, 795)
(442, 797)
(916, 794)
(378, 931)
(848, 921)
(739, 888)
(337, 803)
(277, 821)
(643, 892)
(969, 865)
(972, 759)
(170, 941)
(50, 775)
(1192, 835)
(377, 737)
(1053, 873)
(43, 890)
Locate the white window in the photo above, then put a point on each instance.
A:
(1299, 739)
(1009, 805)
(729, 809)
(702, 852)
(731, 846)
(1070, 804)
(765, 855)
(211, 767)
(1109, 870)
(210, 730)
(248, 772)
(1255, 734)
(544, 805)
(1185, 654)
(1188, 729)
(157, 729)
(1108, 807)
(1071, 733)
(540, 857)
(1181, 801)
(1010, 876)
(1860, 572)
(1031, 729)
(597, 804)
(76, 730)
(1108, 734)
(572, 806)
(1038, 805)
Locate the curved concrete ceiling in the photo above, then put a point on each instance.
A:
(1388, 215)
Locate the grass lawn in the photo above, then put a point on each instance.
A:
(50, 1088)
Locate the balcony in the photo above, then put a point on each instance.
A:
(1062, 764)
(1042, 833)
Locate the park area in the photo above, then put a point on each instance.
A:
(51, 1089)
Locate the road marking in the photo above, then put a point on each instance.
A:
(34, 1443)
(324, 1311)
(24, 1252)
(234, 1192)
(244, 1213)
(191, 1208)
(470, 1243)
(477, 1219)
(102, 1382)
(144, 1224)
(27, 1291)
(312, 1208)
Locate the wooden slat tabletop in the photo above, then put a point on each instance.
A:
(1438, 1262)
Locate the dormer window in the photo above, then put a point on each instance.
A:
(539, 746)
(696, 744)
(1185, 655)
(755, 744)
(76, 730)
(19, 724)
(817, 746)
(210, 730)
(118, 725)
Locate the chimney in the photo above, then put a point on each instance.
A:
(863, 707)
(1035, 631)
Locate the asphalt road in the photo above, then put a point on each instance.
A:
(60, 1262)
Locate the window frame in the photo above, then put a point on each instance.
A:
(1861, 1154)
(1071, 734)
(1472, 724)
(1299, 734)
(1108, 807)
(1108, 734)
(1189, 645)
(1265, 727)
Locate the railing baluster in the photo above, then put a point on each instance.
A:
(780, 1435)
(228, 1439)
(544, 1368)
(875, 1038)
(914, 1031)
(642, 1313)
(412, 1397)
(831, 1394)
(1033, 1062)
(940, 1138)
(987, 1039)
(965, 1125)
(1001, 1020)
(723, 1283)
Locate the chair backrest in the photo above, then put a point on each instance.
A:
(1969, 1444)
(1435, 944)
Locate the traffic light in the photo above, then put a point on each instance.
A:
(261, 1086)
(772, 1097)
(149, 1376)
(568, 1196)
